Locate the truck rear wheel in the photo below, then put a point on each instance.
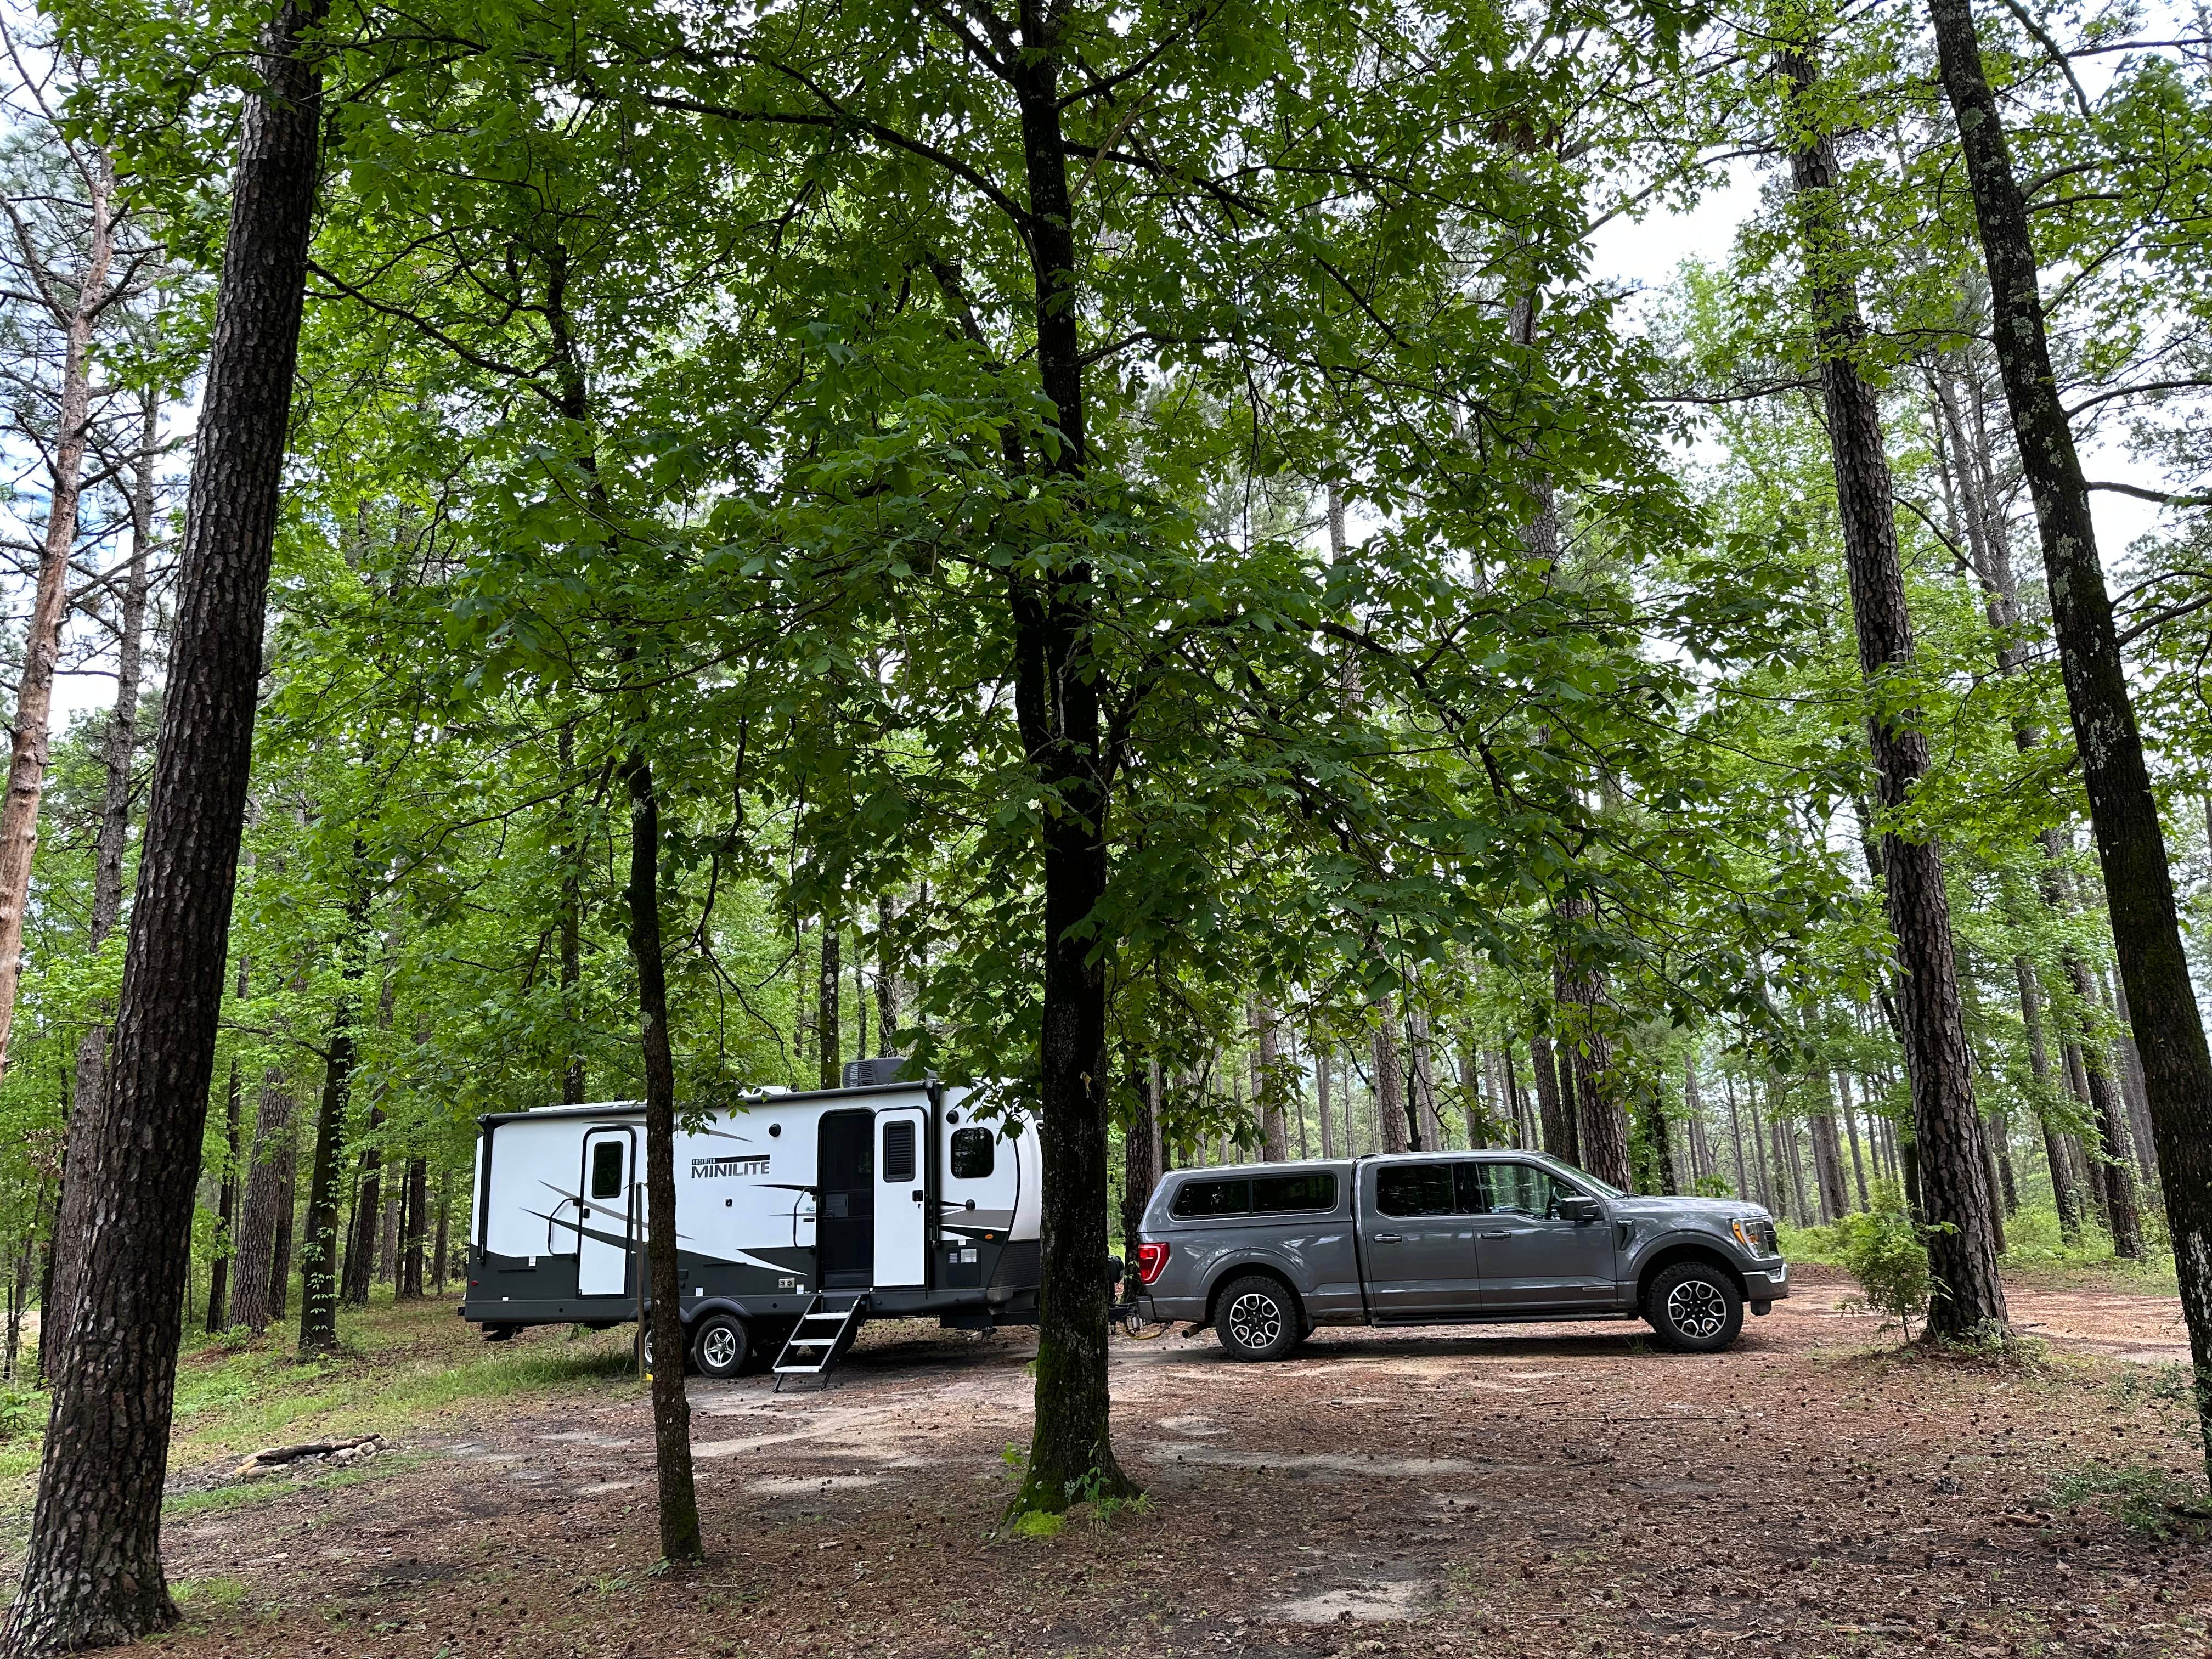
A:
(1257, 1318)
(1694, 1308)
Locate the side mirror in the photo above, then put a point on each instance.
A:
(1580, 1210)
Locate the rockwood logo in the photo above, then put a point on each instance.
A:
(716, 1169)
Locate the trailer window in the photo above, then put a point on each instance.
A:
(898, 1152)
(1402, 1189)
(974, 1154)
(1199, 1199)
(607, 1169)
(1280, 1194)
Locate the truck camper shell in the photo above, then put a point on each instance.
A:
(889, 1197)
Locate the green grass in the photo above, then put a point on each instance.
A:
(2034, 1253)
(401, 1368)
(2155, 1502)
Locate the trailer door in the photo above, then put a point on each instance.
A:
(603, 1248)
(901, 1198)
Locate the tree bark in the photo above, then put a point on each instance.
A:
(572, 929)
(680, 1539)
(321, 1288)
(358, 1261)
(1558, 1141)
(887, 996)
(1601, 1118)
(418, 1201)
(1321, 1094)
(226, 1211)
(92, 1575)
(2130, 843)
(827, 1021)
(1267, 1082)
(1057, 706)
(34, 693)
(1425, 1081)
(1138, 1174)
(439, 1250)
(1955, 1195)
(265, 1185)
(1392, 1130)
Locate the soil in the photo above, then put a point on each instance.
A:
(1505, 1490)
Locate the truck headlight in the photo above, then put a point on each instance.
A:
(1747, 1234)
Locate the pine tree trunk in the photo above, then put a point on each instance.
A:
(1390, 1125)
(1321, 1093)
(357, 1266)
(226, 1213)
(1557, 1140)
(273, 1135)
(680, 1539)
(887, 997)
(34, 691)
(2130, 843)
(91, 1574)
(569, 855)
(418, 1200)
(387, 1242)
(1954, 1197)
(280, 1251)
(1601, 1130)
(1736, 1134)
(1267, 1081)
(440, 1251)
(321, 1288)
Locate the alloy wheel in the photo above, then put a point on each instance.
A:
(1254, 1320)
(1695, 1308)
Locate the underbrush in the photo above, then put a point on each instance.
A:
(2035, 1252)
(2155, 1502)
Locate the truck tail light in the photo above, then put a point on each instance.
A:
(1151, 1260)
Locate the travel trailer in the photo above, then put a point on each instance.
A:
(798, 1215)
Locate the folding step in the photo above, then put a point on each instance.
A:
(824, 1331)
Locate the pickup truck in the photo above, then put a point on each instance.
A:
(1264, 1252)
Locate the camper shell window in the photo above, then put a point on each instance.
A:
(974, 1154)
(1199, 1198)
(1289, 1194)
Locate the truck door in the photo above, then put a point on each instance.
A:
(1531, 1256)
(603, 1230)
(1419, 1251)
(901, 1198)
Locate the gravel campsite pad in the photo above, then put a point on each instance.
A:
(1529, 1490)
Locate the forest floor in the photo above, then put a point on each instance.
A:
(1522, 1491)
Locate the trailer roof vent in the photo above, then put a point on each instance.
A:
(867, 1074)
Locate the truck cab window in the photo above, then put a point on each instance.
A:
(1409, 1189)
(1523, 1189)
(974, 1154)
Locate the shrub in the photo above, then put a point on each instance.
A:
(1885, 1250)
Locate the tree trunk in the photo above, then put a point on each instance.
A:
(273, 1136)
(1391, 1128)
(440, 1250)
(2130, 844)
(387, 1242)
(680, 1539)
(570, 855)
(1662, 1145)
(1852, 1131)
(1321, 1095)
(1955, 1198)
(121, 746)
(829, 1026)
(35, 693)
(418, 1204)
(287, 1205)
(226, 1212)
(2063, 1196)
(2131, 1078)
(357, 1265)
(1138, 1174)
(1558, 1141)
(1736, 1135)
(1600, 1131)
(321, 1288)
(1057, 705)
(887, 997)
(91, 1574)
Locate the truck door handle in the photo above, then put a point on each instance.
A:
(1502, 1232)
(1389, 1238)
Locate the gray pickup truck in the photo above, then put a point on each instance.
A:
(1266, 1252)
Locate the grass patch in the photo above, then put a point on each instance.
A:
(203, 1596)
(2156, 1503)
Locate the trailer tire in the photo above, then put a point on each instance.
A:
(719, 1345)
(1256, 1318)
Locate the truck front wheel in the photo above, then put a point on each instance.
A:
(1694, 1308)
(1257, 1318)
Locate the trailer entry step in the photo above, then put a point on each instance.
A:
(824, 1331)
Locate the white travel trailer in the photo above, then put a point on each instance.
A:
(798, 1215)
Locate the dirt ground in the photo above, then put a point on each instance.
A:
(1511, 1491)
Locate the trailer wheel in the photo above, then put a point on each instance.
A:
(719, 1345)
